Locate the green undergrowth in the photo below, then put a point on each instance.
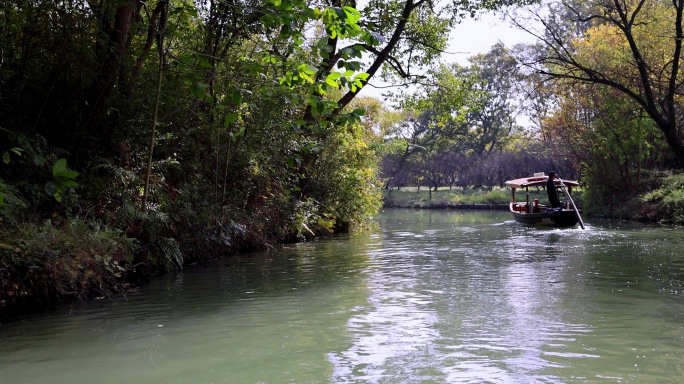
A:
(45, 263)
(657, 197)
(665, 203)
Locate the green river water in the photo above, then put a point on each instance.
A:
(428, 297)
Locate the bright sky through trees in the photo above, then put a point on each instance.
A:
(472, 37)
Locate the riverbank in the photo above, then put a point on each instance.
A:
(376, 308)
(52, 262)
(658, 200)
(496, 198)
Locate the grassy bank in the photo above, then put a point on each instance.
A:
(44, 264)
(496, 198)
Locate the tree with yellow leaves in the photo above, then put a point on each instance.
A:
(631, 46)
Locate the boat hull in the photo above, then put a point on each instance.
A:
(560, 218)
(532, 213)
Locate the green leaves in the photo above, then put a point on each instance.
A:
(349, 79)
(352, 15)
(62, 178)
(6, 156)
(340, 23)
(306, 72)
(332, 78)
(230, 119)
(60, 170)
(199, 90)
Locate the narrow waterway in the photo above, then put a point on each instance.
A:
(428, 297)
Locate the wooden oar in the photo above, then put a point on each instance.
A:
(574, 207)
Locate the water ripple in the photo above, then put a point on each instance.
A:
(435, 297)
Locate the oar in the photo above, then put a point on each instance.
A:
(574, 207)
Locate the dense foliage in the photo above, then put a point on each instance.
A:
(140, 135)
(181, 130)
(176, 130)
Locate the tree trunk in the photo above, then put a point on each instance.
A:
(116, 48)
(129, 87)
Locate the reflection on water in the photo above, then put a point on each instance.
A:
(441, 297)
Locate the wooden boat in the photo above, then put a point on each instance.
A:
(533, 213)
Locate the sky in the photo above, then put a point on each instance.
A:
(469, 38)
(478, 36)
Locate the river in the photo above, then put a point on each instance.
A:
(428, 297)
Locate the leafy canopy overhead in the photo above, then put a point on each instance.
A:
(354, 45)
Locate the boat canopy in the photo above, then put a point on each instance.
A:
(537, 181)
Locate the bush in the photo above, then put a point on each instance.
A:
(41, 264)
(667, 200)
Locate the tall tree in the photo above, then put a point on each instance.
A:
(497, 79)
(605, 132)
(112, 49)
(644, 36)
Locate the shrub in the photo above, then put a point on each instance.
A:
(667, 200)
(44, 263)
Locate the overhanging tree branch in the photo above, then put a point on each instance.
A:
(656, 96)
(409, 6)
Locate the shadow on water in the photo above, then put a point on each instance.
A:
(254, 318)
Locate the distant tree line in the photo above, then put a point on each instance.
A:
(463, 171)
(462, 130)
(599, 95)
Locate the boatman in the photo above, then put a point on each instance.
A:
(552, 192)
